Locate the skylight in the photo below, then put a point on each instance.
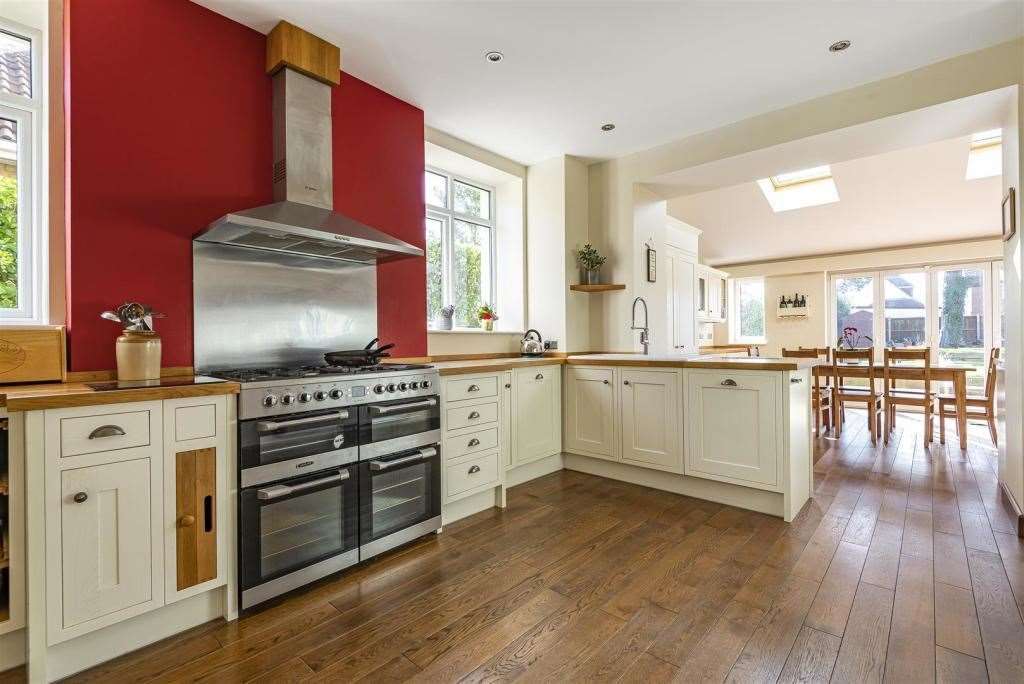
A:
(985, 158)
(799, 189)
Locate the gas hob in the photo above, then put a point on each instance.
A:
(280, 391)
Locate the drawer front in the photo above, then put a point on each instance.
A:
(195, 422)
(109, 432)
(465, 416)
(467, 475)
(472, 443)
(470, 388)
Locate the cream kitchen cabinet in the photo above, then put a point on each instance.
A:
(712, 300)
(733, 422)
(536, 413)
(591, 405)
(474, 432)
(682, 320)
(650, 418)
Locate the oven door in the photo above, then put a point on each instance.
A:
(393, 426)
(276, 448)
(296, 531)
(399, 499)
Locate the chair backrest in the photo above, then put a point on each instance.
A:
(853, 356)
(990, 374)
(825, 352)
(800, 353)
(894, 357)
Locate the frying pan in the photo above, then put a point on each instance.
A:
(359, 357)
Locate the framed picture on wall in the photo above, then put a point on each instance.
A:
(1009, 214)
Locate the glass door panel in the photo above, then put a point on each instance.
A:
(960, 308)
(855, 310)
(906, 309)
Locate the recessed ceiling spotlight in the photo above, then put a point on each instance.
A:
(839, 46)
(493, 56)
(608, 127)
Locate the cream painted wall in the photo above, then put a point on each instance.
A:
(442, 344)
(613, 184)
(810, 276)
(545, 243)
(577, 304)
(1011, 456)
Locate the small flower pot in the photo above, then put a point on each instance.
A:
(487, 324)
(591, 276)
(444, 323)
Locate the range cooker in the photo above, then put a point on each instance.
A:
(336, 465)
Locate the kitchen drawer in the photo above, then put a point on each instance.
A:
(464, 416)
(195, 422)
(470, 388)
(472, 443)
(468, 475)
(108, 432)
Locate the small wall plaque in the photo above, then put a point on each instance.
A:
(1009, 214)
(652, 264)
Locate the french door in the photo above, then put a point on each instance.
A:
(955, 309)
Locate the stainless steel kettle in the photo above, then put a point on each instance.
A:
(532, 346)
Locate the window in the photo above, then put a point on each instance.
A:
(22, 255)
(461, 245)
(985, 158)
(799, 189)
(747, 321)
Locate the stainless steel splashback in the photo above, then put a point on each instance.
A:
(254, 307)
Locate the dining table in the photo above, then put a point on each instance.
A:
(954, 373)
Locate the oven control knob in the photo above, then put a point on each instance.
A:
(425, 384)
(335, 393)
(305, 397)
(288, 399)
(270, 400)
(379, 389)
(391, 387)
(319, 395)
(414, 385)
(402, 386)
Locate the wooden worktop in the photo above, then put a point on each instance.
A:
(464, 366)
(67, 394)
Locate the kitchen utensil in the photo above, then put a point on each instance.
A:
(532, 344)
(359, 357)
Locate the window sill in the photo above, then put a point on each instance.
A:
(473, 331)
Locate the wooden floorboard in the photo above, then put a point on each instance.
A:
(904, 567)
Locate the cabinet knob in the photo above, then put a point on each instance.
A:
(474, 469)
(187, 521)
(796, 381)
(473, 415)
(508, 385)
(539, 376)
(473, 442)
(80, 497)
(625, 382)
(473, 388)
(605, 382)
(729, 382)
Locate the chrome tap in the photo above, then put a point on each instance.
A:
(645, 339)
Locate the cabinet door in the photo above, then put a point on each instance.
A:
(723, 299)
(590, 411)
(680, 302)
(650, 419)
(702, 294)
(196, 517)
(537, 407)
(106, 539)
(732, 420)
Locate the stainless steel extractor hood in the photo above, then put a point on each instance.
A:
(302, 219)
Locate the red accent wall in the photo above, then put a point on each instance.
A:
(169, 127)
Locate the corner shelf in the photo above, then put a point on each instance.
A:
(596, 288)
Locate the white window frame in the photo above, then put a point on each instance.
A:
(734, 312)
(447, 216)
(27, 113)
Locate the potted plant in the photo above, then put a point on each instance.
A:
(851, 339)
(590, 261)
(487, 317)
(447, 312)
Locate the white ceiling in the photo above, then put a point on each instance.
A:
(659, 70)
(911, 196)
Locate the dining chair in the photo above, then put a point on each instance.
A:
(983, 407)
(821, 397)
(895, 396)
(869, 396)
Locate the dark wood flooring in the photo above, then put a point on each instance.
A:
(904, 567)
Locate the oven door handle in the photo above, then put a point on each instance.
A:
(278, 491)
(412, 458)
(399, 408)
(272, 425)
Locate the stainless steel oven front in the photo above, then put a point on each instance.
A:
(399, 499)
